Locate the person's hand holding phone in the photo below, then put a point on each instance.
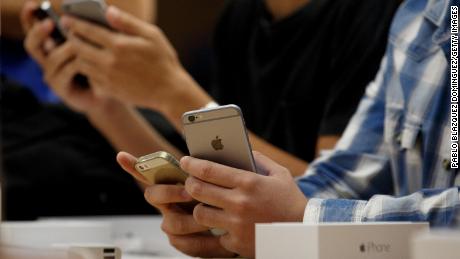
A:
(184, 233)
(134, 62)
(239, 199)
(59, 63)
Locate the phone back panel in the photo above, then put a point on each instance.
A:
(219, 135)
(91, 10)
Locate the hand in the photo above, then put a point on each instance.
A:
(242, 198)
(58, 64)
(137, 65)
(184, 233)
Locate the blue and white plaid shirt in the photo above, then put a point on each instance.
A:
(392, 163)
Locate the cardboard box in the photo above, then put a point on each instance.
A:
(436, 245)
(386, 240)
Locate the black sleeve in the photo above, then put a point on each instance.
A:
(358, 48)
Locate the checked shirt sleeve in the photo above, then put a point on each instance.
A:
(439, 207)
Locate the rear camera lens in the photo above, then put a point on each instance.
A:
(191, 118)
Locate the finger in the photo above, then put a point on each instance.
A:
(86, 69)
(26, 16)
(165, 194)
(95, 34)
(87, 51)
(65, 75)
(49, 45)
(95, 78)
(181, 224)
(58, 58)
(212, 172)
(36, 38)
(229, 242)
(210, 216)
(267, 166)
(128, 162)
(200, 245)
(127, 23)
(97, 87)
(208, 193)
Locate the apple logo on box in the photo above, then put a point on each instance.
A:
(217, 143)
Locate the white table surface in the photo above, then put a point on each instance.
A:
(139, 237)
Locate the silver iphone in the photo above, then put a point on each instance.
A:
(219, 135)
(91, 10)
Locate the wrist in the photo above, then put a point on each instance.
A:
(185, 95)
(299, 212)
(106, 110)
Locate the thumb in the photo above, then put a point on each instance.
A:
(126, 23)
(128, 162)
(266, 166)
(26, 15)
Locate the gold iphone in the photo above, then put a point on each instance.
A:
(161, 168)
(219, 135)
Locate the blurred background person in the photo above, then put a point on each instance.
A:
(49, 150)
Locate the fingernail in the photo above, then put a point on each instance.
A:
(184, 160)
(113, 12)
(147, 193)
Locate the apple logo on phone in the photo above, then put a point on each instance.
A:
(217, 143)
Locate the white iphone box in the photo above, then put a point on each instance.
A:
(42, 234)
(440, 244)
(384, 240)
(71, 239)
